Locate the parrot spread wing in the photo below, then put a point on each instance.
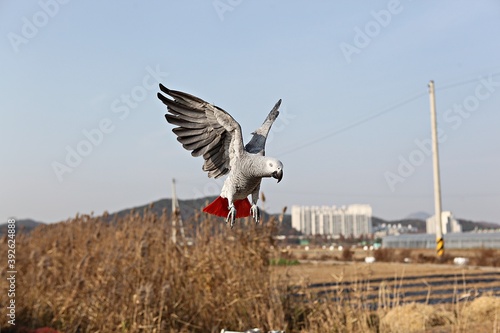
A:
(257, 144)
(204, 129)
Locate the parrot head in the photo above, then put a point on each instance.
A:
(274, 168)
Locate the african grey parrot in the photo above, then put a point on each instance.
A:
(209, 131)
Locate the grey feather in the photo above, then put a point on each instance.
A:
(257, 143)
(204, 129)
(183, 122)
(185, 132)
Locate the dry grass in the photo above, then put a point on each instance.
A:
(414, 318)
(92, 276)
(480, 315)
(89, 275)
(487, 257)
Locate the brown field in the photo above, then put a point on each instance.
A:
(325, 271)
(89, 275)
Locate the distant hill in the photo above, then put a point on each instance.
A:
(24, 225)
(418, 216)
(190, 206)
(468, 225)
(420, 224)
(415, 223)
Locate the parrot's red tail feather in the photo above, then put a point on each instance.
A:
(242, 207)
(219, 207)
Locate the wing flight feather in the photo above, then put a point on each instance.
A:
(257, 143)
(204, 129)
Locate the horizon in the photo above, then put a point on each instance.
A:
(82, 129)
(406, 217)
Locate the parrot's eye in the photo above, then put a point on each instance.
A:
(271, 165)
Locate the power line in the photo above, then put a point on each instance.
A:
(464, 82)
(390, 195)
(352, 125)
(378, 114)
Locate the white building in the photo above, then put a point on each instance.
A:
(353, 220)
(448, 223)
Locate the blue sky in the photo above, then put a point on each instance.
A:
(82, 130)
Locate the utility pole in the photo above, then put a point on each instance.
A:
(176, 215)
(437, 181)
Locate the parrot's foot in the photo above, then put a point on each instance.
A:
(254, 210)
(231, 216)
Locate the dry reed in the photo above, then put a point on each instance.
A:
(90, 274)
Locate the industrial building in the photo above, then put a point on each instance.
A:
(448, 222)
(352, 220)
(463, 240)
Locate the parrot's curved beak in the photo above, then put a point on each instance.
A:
(278, 174)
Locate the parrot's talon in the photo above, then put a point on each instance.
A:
(231, 216)
(255, 211)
